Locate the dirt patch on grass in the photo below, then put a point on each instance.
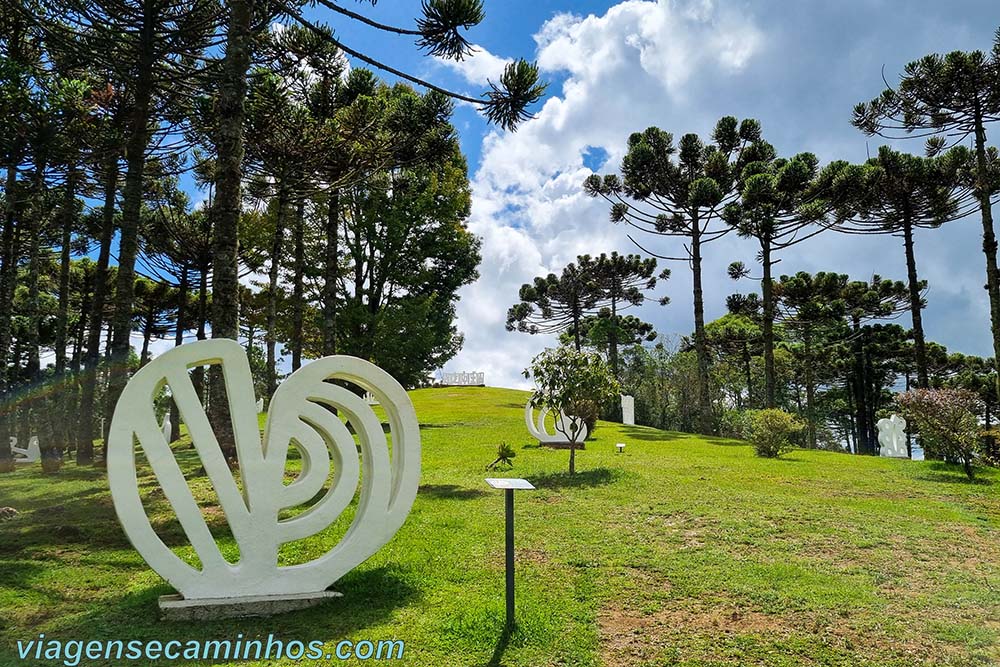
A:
(633, 638)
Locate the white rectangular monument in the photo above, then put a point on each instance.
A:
(628, 410)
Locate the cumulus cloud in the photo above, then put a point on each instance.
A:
(680, 65)
(479, 68)
(529, 207)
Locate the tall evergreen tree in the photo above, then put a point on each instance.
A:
(777, 205)
(951, 98)
(555, 304)
(623, 279)
(681, 191)
(897, 193)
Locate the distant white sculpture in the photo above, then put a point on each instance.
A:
(260, 405)
(167, 428)
(473, 379)
(628, 410)
(539, 430)
(370, 398)
(31, 454)
(297, 416)
(892, 437)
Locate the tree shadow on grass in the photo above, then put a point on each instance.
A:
(450, 492)
(651, 434)
(369, 598)
(585, 479)
(957, 476)
(68, 472)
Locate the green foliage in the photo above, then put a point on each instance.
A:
(505, 455)
(576, 384)
(947, 423)
(771, 431)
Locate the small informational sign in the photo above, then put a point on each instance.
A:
(510, 483)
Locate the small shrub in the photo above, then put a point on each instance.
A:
(771, 431)
(735, 424)
(947, 422)
(504, 455)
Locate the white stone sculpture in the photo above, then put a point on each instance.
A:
(370, 398)
(31, 454)
(167, 428)
(628, 410)
(297, 416)
(260, 405)
(474, 379)
(539, 431)
(892, 437)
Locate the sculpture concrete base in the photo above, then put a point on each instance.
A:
(177, 608)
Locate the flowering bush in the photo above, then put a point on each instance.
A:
(771, 430)
(947, 422)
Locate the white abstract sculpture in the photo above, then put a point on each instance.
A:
(260, 405)
(892, 437)
(370, 398)
(628, 410)
(298, 417)
(167, 428)
(539, 431)
(31, 454)
(473, 379)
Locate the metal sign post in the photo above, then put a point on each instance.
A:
(509, 486)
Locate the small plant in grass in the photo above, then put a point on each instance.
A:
(770, 431)
(504, 455)
(574, 383)
(947, 423)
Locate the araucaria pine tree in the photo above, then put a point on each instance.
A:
(680, 191)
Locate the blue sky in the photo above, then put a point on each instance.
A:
(615, 68)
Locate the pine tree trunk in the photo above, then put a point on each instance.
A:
(271, 335)
(983, 193)
(860, 393)
(916, 305)
(182, 295)
(700, 341)
(767, 292)
(35, 220)
(62, 320)
(225, 237)
(80, 335)
(331, 275)
(128, 243)
(613, 335)
(8, 275)
(748, 371)
(85, 453)
(810, 394)
(298, 287)
(147, 332)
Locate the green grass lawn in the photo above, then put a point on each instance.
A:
(682, 551)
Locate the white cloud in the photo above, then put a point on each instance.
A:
(680, 65)
(529, 206)
(479, 68)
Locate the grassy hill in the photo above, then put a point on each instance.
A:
(682, 551)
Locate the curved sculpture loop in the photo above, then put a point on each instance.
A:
(892, 437)
(298, 417)
(539, 431)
